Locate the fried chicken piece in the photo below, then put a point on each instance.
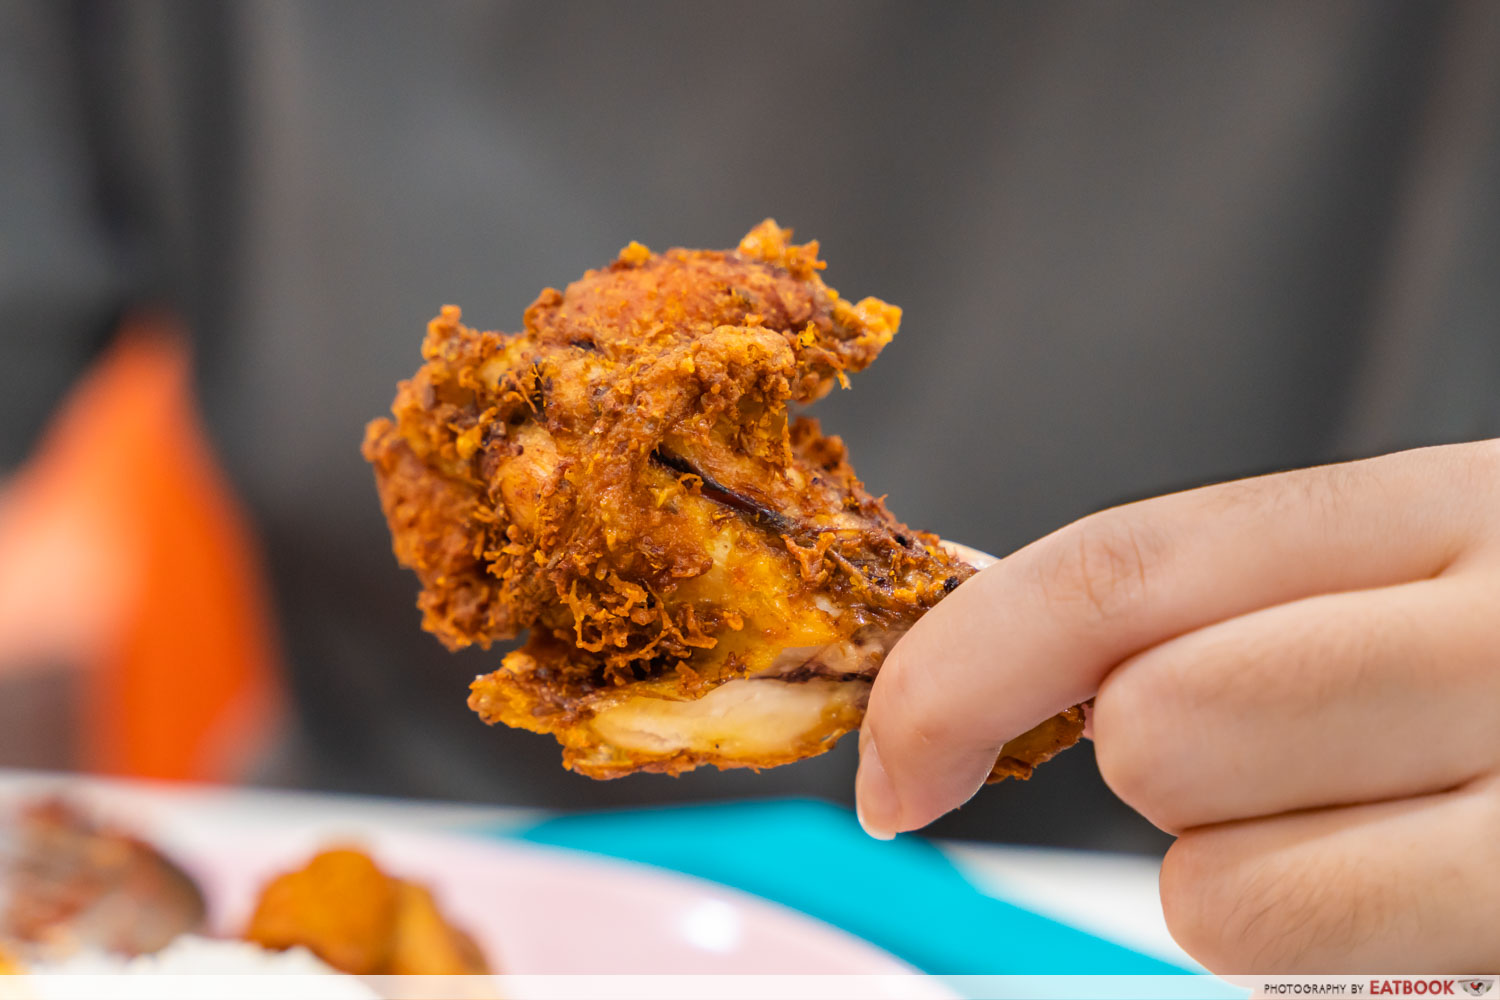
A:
(360, 920)
(425, 943)
(341, 907)
(704, 578)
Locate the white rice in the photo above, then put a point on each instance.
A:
(195, 968)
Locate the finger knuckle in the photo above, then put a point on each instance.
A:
(1101, 566)
(1126, 755)
(1226, 912)
(1256, 670)
(1188, 889)
(1262, 914)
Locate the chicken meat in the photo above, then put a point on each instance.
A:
(703, 578)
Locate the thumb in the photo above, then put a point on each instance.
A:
(875, 795)
(1037, 632)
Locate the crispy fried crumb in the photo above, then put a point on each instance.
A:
(625, 479)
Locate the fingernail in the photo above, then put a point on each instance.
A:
(874, 796)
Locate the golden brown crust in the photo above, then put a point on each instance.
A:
(623, 479)
(358, 919)
(341, 907)
(648, 352)
(425, 944)
(1020, 756)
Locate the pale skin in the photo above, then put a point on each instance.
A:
(1297, 675)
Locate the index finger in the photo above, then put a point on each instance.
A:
(1038, 631)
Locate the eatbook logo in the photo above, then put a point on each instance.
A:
(1476, 987)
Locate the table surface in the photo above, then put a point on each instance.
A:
(1111, 895)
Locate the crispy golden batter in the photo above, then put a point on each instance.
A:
(359, 920)
(704, 578)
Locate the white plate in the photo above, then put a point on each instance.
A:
(535, 910)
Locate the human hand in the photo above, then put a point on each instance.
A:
(1298, 675)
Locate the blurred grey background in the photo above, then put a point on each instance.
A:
(1139, 247)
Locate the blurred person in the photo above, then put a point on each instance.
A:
(1139, 248)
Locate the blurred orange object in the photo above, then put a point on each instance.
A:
(123, 551)
(343, 908)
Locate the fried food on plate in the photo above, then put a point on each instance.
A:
(704, 578)
(69, 883)
(360, 920)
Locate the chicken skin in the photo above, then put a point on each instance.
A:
(703, 578)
